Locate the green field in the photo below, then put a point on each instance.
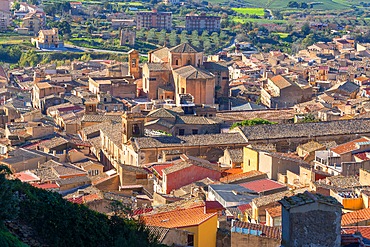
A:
(131, 4)
(282, 35)
(282, 4)
(14, 39)
(250, 11)
(263, 21)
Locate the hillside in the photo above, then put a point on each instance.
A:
(53, 221)
(282, 4)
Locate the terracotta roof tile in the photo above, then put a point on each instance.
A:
(234, 171)
(244, 207)
(356, 217)
(26, 176)
(178, 218)
(349, 146)
(159, 168)
(364, 230)
(184, 48)
(280, 81)
(45, 186)
(267, 231)
(191, 72)
(363, 156)
(263, 185)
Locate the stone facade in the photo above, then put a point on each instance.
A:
(127, 37)
(247, 240)
(303, 219)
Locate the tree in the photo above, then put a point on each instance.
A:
(16, 6)
(304, 5)
(29, 58)
(251, 122)
(207, 45)
(162, 37)
(173, 38)
(293, 4)
(8, 199)
(215, 39)
(90, 29)
(184, 37)
(309, 118)
(150, 36)
(63, 27)
(194, 39)
(305, 29)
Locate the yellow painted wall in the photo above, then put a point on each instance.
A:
(250, 159)
(195, 230)
(352, 203)
(205, 234)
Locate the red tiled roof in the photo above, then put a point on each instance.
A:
(179, 218)
(267, 231)
(364, 230)
(77, 200)
(355, 217)
(349, 239)
(26, 176)
(262, 185)
(244, 207)
(234, 171)
(159, 168)
(211, 206)
(140, 211)
(349, 146)
(363, 156)
(239, 176)
(45, 186)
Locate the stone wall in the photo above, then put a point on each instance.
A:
(247, 240)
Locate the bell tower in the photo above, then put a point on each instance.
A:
(91, 107)
(132, 126)
(133, 67)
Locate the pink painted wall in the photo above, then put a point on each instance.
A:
(189, 175)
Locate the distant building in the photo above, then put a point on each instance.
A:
(34, 22)
(282, 92)
(127, 37)
(154, 19)
(48, 39)
(4, 19)
(118, 23)
(203, 22)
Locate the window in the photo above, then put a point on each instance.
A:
(194, 131)
(135, 130)
(181, 132)
(177, 62)
(190, 240)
